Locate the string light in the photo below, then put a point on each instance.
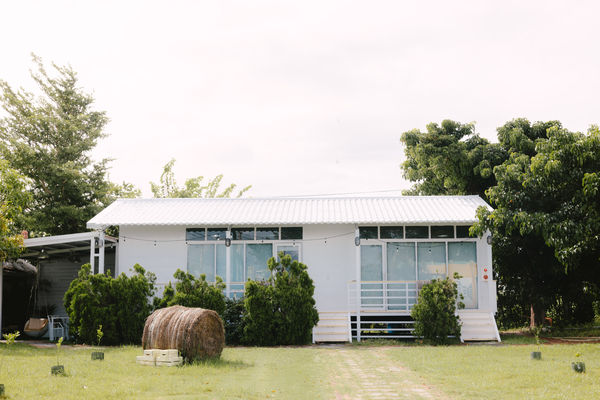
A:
(158, 241)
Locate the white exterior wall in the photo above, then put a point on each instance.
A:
(486, 287)
(332, 263)
(137, 246)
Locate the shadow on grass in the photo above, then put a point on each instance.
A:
(219, 363)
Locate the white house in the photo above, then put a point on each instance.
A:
(368, 256)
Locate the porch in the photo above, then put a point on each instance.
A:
(381, 310)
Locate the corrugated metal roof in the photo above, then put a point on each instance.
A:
(291, 211)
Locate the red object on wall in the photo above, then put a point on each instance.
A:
(485, 276)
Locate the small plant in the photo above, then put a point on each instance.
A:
(99, 335)
(578, 366)
(10, 340)
(98, 355)
(58, 344)
(58, 369)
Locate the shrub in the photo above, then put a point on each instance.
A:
(190, 291)
(435, 312)
(233, 318)
(280, 311)
(120, 305)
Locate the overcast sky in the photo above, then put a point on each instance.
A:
(303, 97)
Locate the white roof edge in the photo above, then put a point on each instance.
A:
(58, 239)
(292, 198)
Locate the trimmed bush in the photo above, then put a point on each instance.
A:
(233, 318)
(193, 292)
(120, 305)
(280, 311)
(435, 312)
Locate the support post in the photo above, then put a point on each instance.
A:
(101, 237)
(228, 264)
(92, 253)
(358, 287)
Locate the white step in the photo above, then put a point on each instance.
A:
(478, 326)
(332, 327)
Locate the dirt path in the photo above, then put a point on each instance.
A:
(368, 373)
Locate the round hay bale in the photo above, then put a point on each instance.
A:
(197, 333)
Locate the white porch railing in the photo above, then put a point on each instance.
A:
(381, 308)
(396, 296)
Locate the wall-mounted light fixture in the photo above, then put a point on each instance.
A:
(43, 255)
(356, 237)
(489, 239)
(228, 238)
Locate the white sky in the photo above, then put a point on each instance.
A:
(306, 97)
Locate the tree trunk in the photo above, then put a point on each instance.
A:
(536, 316)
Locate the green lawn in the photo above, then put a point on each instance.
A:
(312, 372)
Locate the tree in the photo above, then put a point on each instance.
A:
(13, 198)
(450, 159)
(48, 139)
(539, 194)
(193, 187)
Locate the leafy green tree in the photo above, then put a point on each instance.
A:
(193, 187)
(48, 139)
(450, 159)
(280, 311)
(13, 198)
(190, 291)
(539, 193)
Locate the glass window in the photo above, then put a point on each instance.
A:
(267, 233)
(462, 258)
(417, 232)
(431, 260)
(462, 231)
(201, 260)
(221, 267)
(401, 266)
(195, 234)
(290, 233)
(371, 270)
(401, 263)
(442, 232)
(391, 232)
(368, 232)
(216, 233)
(293, 251)
(237, 263)
(242, 233)
(256, 261)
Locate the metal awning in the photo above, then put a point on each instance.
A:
(39, 247)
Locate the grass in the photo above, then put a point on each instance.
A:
(312, 372)
(507, 372)
(241, 373)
